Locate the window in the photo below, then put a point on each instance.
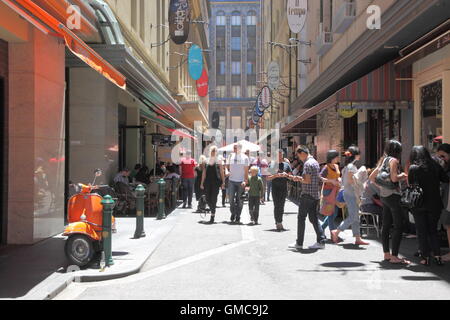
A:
(236, 19)
(251, 43)
(221, 20)
(251, 91)
(221, 67)
(251, 18)
(250, 68)
(220, 91)
(236, 91)
(235, 43)
(236, 67)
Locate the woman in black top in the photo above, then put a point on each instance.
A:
(212, 180)
(427, 173)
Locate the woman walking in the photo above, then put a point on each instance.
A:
(390, 198)
(427, 174)
(353, 156)
(330, 176)
(212, 180)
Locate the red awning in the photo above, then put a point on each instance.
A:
(182, 134)
(40, 19)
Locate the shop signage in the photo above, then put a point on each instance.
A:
(202, 84)
(296, 12)
(346, 110)
(273, 75)
(258, 111)
(195, 62)
(255, 119)
(179, 19)
(266, 97)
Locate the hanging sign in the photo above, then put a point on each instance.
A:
(179, 20)
(273, 75)
(296, 13)
(255, 119)
(258, 112)
(266, 97)
(195, 62)
(346, 110)
(202, 84)
(215, 122)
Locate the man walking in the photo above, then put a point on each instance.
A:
(238, 165)
(309, 199)
(187, 166)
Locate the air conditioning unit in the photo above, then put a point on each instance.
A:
(324, 42)
(344, 17)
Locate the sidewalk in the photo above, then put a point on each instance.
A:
(38, 272)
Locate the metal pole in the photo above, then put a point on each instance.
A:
(108, 205)
(162, 197)
(140, 195)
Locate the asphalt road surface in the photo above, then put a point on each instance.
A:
(198, 261)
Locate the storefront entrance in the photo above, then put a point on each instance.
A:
(431, 105)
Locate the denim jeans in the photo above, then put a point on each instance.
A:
(308, 207)
(353, 215)
(235, 191)
(188, 189)
(329, 220)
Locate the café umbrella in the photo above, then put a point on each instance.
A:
(246, 145)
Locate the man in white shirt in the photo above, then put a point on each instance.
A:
(122, 176)
(238, 165)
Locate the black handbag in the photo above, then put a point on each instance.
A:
(412, 197)
(383, 177)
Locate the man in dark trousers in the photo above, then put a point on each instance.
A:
(309, 199)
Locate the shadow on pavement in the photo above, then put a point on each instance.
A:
(22, 267)
(344, 264)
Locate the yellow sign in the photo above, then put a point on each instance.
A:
(347, 113)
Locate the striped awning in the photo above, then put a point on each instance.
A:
(382, 84)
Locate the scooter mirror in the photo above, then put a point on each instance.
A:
(98, 172)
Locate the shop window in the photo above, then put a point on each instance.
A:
(431, 111)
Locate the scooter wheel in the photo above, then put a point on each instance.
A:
(79, 249)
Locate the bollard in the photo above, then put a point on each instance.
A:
(162, 198)
(108, 205)
(174, 193)
(140, 194)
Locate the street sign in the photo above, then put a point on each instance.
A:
(296, 12)
(273, 75)
(195, 62)
(179, 20)
(266, 97)
(202, 84)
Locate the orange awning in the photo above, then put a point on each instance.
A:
(73, 42)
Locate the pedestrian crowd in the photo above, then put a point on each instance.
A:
(390, 191)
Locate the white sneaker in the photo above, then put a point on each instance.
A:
(317, 245)
(295, 246)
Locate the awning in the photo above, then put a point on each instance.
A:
(182, 134)
(46, 23)
(429, 43)
(152, 116)
(380, 89)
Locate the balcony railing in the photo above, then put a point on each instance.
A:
(344, 17)
(324, 42)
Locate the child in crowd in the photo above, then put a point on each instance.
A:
(255, 193)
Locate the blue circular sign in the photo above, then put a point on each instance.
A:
(195, 62)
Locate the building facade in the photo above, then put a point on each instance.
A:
(353, 90)
(74, 98)
(235, 59)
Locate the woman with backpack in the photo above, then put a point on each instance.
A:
(427, 174)
(352, 157)
(388, 177)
